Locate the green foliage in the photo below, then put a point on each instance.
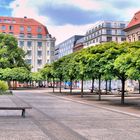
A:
(3, 86)
(10, 54)
(47, 72)
(17, 74)
(108, 60)
(36, 76)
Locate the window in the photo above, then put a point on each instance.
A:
(21, 28)
(39, 35)
(39, 29)
(48, 52)
(29, 61)
(29, 52)
(29, 43)
(11, 27)
(109, 32)
(123, 39)
(21, 43)
(108, 25)
(11, 33)
(39, 44)
(39, 61)
(29, 35)
(100, 39)
(138, 37)
(28, 29)
(122, 32)
(3, 27)
(109, 39)
(39, 53)
(48, 60)
(21, 35)
(122, 25)
(13, 21)
(52, 52)
(97, 39)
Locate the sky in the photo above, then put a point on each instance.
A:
(65, 18)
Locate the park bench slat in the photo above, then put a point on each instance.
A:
(19, 105)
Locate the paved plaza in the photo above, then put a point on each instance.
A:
(61, 118)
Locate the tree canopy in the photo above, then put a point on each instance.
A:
(104, 61)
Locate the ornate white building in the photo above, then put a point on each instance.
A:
(33, 38)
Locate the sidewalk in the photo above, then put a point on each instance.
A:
(132, 101)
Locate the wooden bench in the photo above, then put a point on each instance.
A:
(16, 108)
(120, 91)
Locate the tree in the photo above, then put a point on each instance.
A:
(47, 73)
(133, 60)
(36, 76)
(10, 54)
(58, 71)
(69, 71)
(80, 60)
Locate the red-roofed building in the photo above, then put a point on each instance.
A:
(133, 28)
(33, 37)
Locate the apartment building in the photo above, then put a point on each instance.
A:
(66, 47)
(79, 45)
(33, 37)
(133, 28)
(105, 31)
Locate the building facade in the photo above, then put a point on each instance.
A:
(133, 28)
(105, 31)
(66, 47)
(33, 37)
(79, 45)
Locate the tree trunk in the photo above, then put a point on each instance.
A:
(123, 89)
(82, 80)
(60, 86)
(70, 86)
(30, 83)
(109, 85)
(106, 86)
(9, 84)
(139, 86)
(99, 88)
(53, 85)
(92, 89)
(13, 84)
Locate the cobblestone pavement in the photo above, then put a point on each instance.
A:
(56, 118)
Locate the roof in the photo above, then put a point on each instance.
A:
(81, 40)
(17, 22)
(134, 22)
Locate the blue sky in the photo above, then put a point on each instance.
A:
(65, 18)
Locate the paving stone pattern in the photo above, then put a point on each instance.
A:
(54, 118)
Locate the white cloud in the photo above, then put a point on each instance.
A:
(83, 4)
(64, 32)
(30, 8)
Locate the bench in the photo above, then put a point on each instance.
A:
(120, 91)
(16, 108)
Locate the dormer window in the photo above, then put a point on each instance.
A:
(39, 29)
(29, 29)
(11, 28)
(39, 35)
(21, 28)
(3, 27)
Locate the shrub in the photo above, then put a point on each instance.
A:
(3, 86)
